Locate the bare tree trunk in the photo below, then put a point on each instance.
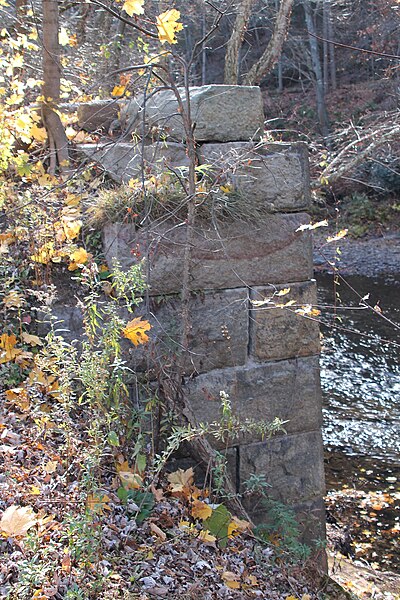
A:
(58, 141)
(280, 78)
(319, 83)
(203, 51)
(325, 48)
(232, 55)
(332, 58)
(272, 53)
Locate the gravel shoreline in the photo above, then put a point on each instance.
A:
(370, 257)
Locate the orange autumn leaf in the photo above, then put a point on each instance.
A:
(7, 348)
(97, 504)
(201, 510)
(135, 331)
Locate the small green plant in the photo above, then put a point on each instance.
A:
(282, 530)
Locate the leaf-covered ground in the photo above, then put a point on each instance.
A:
(59, 542)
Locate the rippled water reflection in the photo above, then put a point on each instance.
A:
(360, 374)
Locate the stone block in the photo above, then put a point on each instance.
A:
(218, 336)
(121, 161)
(219, 113)
(273, 177)
(278, 333)
(229, 256)
(98, 115)
(293, 465)
(288, 389)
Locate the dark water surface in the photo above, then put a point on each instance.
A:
(360, 377)
(360, 367)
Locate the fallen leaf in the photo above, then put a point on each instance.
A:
(97, 504)
(231, 580)
(158, 532)
(51, 466)
(66, 563)
(180, 479)
(32, 340)
(201, 510)
(16, 520)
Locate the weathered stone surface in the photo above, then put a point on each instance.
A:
(218, 336)
(68, 322)
(235, 255)
(292, 464)
(123, 161)
(277, 333)
(98, 115)
(219, 113)
(274, 177)
(287, 389)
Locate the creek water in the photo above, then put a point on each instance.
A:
(360, 366)
(360, 378)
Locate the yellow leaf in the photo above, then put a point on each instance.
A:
(38, 133)
(283, 292)
(63, 37)
(44, 254)
(205, 536)
(134, 7)
(323, 223)
(308, 311)
(71, 228)
(291, 598)
(340, 234)
(237, 526)
(201, 510)
(7, 348)
(35, 490)
(78, 258)
(97, 504)
(32, 340)
(16, 520)
(135, 331)
(167, 26)
(118, 90)
(226, 189)
(231, 580)
(180, 479)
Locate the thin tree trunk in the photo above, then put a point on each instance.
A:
(273, 51)
(280, 77)
(319, 83)
(203, 51)
(332, 58)
(325, 48)
(58, 142)
(232, 55)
